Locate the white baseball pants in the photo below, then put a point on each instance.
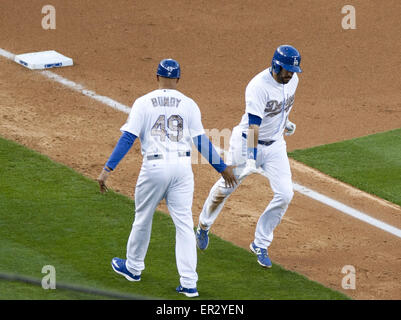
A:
(174, 182)
(274, 161)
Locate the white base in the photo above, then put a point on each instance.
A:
(43, 60)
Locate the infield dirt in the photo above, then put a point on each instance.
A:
(350, 88)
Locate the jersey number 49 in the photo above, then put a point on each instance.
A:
(174, 124)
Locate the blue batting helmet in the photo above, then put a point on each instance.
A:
(169, 68)
(286, 57)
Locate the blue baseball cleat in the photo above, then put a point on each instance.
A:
(202, 238)
(118, 266)
(189, 292)
(263, 258)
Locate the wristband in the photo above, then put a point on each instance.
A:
(106, 169)
(252, 153)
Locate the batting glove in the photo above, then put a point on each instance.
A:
(290, 127)
(249, 169)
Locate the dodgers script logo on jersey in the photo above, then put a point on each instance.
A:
(273, 107)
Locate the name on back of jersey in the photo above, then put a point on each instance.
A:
(165, 101)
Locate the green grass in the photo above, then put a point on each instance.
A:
(371, 163)
(50, 215)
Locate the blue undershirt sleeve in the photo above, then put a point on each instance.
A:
(205, 147)
(124, 144)
(252, 119)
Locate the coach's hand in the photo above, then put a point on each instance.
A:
(229, 177)
(102, 181)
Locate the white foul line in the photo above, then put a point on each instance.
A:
(76, 87)
(297, 187)
(346, 209)
(79, 88)
(7, 54)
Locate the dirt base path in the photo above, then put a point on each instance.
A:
(116, 47)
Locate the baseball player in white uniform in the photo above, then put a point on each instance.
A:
(257, 145)
(167, 123)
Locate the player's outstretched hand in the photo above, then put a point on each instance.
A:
(229, 177)
(102, 181)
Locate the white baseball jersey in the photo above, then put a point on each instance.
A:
(271, 101)
(165, 120)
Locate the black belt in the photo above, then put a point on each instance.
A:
(265, 143)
